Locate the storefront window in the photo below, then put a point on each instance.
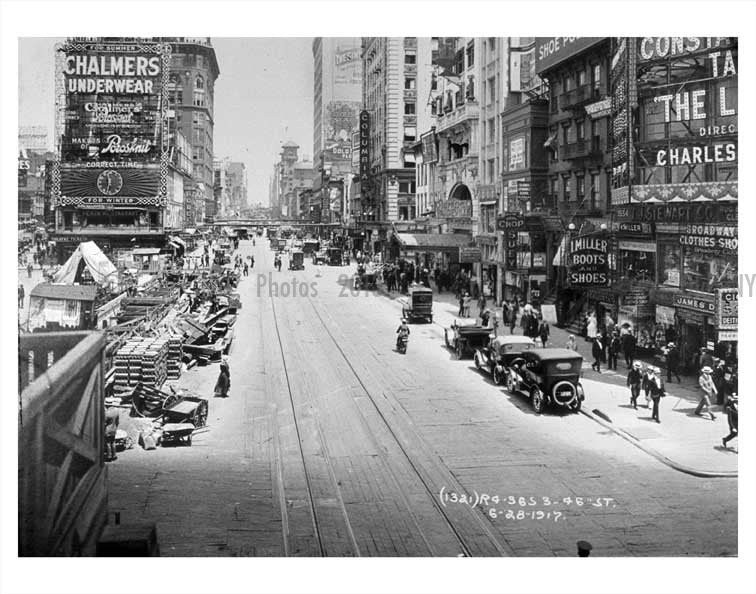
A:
(635, 265)
(706, 271)
(669, 264)
(523, 250)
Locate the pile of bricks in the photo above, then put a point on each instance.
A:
(145, 360)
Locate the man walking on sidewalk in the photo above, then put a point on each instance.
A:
(21, 295)
(597, 350)
(628, 347)
(731, 406)
(656, 386)
(614, 348)
(634, 380)
(709, 391)
(673, 362)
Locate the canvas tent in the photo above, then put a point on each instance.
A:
(102, 270)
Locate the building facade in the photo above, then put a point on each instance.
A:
(191, 90)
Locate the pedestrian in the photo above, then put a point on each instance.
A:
(466, 305)
(731, 408)
(656, 388)
(591, 326)
(719, 381)
(628, 347)
(482, 303)
(512, 318)
(646, 385)
(246, 269)
(485, 316)
(543, 332)
(223, 383)
(29, 268)
(597, 350)
(571, 343)
(709, 391)
(673, 362)
(634, 381)
(111, 427)
(705, 360)
(495, 322)
(21, 295)
(614, 348)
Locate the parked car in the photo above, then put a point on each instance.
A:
(320, 257)
(549, 377)
(465, 336)
(419, 305)
(296, 260)
(498, 356)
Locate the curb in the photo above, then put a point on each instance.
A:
(660, 457)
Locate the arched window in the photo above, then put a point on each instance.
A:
(199, 83)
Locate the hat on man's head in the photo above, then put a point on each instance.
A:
(706, 369)
(637, 365)
(670, 345)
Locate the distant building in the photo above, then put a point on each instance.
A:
(291, 176)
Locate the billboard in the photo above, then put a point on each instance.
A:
(340, 122)
(112, 111)
(553, 50)
(589, 261)
(348, 64)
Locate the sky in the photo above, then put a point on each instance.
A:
(263, 97)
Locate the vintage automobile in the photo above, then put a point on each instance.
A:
(310, 246)
(335, 256)
(296, 260)
(465, 336)
(549, 377)
(500, 354)
(320, 257)
(419, 305)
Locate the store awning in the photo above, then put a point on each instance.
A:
(145, 251)
(178, 240)
(190, 231)
(433, 241)
(174, 244)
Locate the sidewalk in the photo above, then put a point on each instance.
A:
(682, 440)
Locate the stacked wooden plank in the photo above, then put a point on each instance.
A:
(175, 355)
(142, 360)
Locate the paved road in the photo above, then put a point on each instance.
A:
(333, 444)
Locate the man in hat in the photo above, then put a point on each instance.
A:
(634, 381)
(673, 361)
(706, 360)
(597, 350)
(111, 427)
(615, 346)
(656, 390)
(731, 407)
(709, 391)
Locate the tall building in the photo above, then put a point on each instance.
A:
(391, 68)
(191, 89)
(291, 177)
(237, 183)
(337, 97)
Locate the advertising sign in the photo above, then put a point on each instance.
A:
(654, 48)
(112, 113)
(588, 262)
(678, 213)
(430, 154)
(364, 149)
(728, 336)
(726, 301)
(711, 237)
(704, 305)
(348, 64)
(517, 154)
(454, 209)
(510, 223)
(340, 121)
(335, 195)
(553, 50)
(469, 255)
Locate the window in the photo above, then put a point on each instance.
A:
(636, 265)
(410, 58)
(566, 83)
(593, 191)
(198, 153)
(434, 82)
(670, 255)
(409, 133)
(491, 171)
(199, 83)
(409, 83)
(459, 62)
(491, 131)
(706, 270)
(492, 43)
(580, 187)
(597, 77)
(492, 89)
(581, 130)
(198, 99)
(200, 61)
(581, 78)
(565, 188)
(470, 54)
(409, 109)
(196, 118)
(565, 135)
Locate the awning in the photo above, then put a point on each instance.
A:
(190, 231)
(174, 244)
(433, 241)
(145, 251)
(178, 240)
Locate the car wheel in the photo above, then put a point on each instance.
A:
(446, 339)
(536, 397)
(511, 383)
(580, 393)
(496, 376)
(476, 359)
(460, 351)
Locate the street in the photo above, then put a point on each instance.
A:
(333, 444)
